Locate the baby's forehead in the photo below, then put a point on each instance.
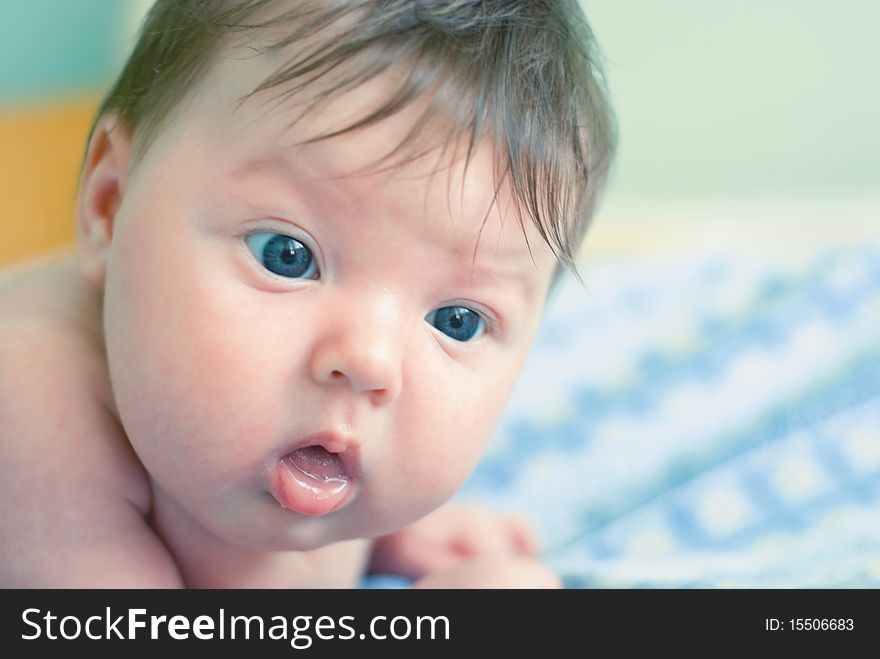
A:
(259, 129)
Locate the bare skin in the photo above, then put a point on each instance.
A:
(71, 479)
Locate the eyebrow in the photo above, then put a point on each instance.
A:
(497, 267)
(271, 163)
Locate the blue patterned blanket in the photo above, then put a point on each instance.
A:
(703, 417)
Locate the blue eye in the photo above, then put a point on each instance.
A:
(459, 323)
(283, 255)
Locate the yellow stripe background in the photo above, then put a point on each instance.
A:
(40, 152)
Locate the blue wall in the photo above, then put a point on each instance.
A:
(54, 47)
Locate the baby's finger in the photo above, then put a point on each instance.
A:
(483, 536)
(522, 535)
(493, 572)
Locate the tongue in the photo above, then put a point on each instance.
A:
(312, 481)
(319, 464)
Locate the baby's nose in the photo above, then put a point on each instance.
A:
(361, 349)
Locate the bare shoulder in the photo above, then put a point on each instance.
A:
(50, 289)
(67, 472)
(55, 396)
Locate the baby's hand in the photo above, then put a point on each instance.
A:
(449, 537)
(492, 572)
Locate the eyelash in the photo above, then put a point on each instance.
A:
(492, 322)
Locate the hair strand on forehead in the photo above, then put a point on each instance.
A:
(524, 75)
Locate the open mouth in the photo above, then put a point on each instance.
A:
(312, 480)
(323, 469)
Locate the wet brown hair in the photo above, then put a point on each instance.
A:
(524, 73)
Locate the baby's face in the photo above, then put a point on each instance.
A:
(300, 355)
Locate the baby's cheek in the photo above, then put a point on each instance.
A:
(468, 420)
(440, 441)
(183, 383)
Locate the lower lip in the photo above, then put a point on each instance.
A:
(305, 494)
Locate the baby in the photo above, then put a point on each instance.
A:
(315, 239)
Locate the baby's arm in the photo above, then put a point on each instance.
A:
(73, 496)
(464, 547)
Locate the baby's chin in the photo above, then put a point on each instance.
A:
(275, 528)
(279, 515)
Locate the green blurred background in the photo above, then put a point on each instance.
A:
(738, 104)
(762, 99)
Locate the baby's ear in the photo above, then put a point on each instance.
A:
(102, 186)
